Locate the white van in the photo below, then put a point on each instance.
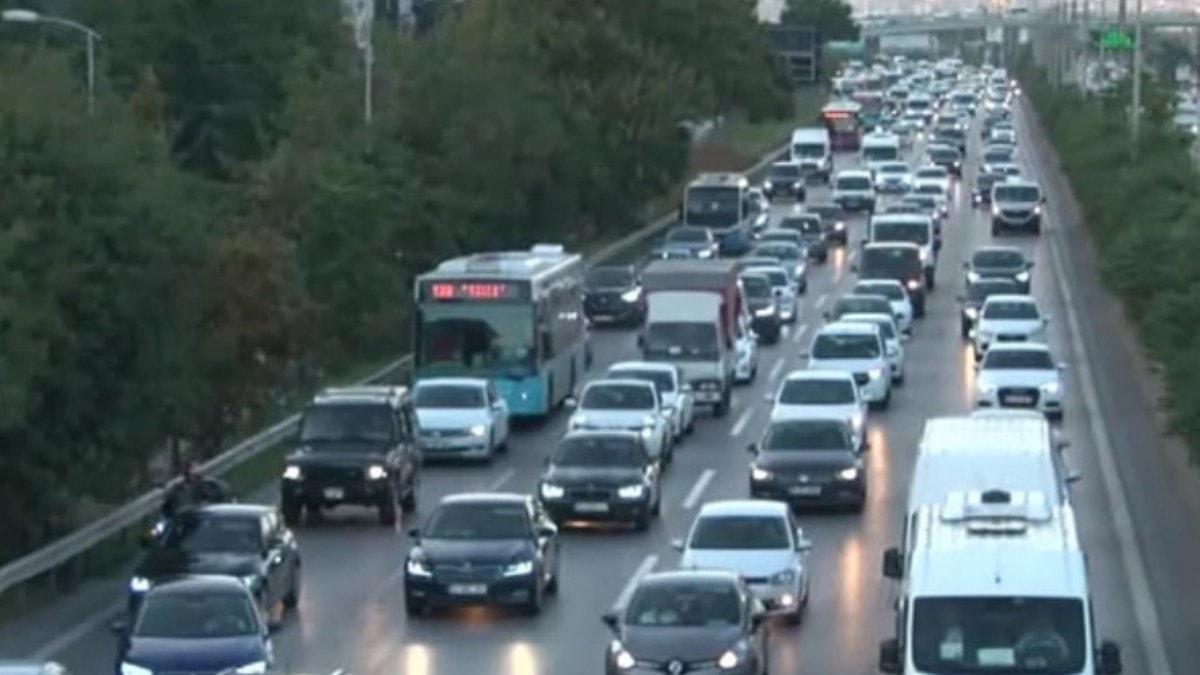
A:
(908, 227)
(812, 151)
(995, 581)
(879, 148)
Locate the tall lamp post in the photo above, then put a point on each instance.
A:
(90, 35)
(1137, 75)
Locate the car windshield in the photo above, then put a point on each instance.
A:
(807, 435)
(845, 346)
(861, 305)
(917, 233)
(778, 251)
(996, 155)
(1018, 359)
(854, 183)
(929, 189)
(199, 532)
(448, 396)
(740, 533)
(801, 224)
(786, 236)
(1010, 310)
(661, 379)
(816, 392)
(888, 291)
(998, 635)
(885, 326)
(599, 451)
(685, 604)
(680, 340)
(995, 258)
(946, 155)
(809, 150)
(777, 277)
(215, 614)
(618, 397)
(923, 202)
(337, 422)
(756, 286)
(609, 277)
(980, 290)
(894, 169)
(688, 235)
(784, 172)
(880, 153)
(480, 520)
(1017, 193)
(889, 262)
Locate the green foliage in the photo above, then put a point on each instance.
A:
(1143, 207)
(833, 19)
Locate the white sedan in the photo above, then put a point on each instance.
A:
(460, 417)
(1020, 375)
(678, 401)
(1007, 318)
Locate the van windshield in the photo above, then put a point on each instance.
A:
(917, 233)
(809, 150)
(888, 262)
(953, 635)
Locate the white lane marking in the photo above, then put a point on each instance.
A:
(1145, 609)
(642, 570)
(821, 301)
(776, 370)
(693, 496)
(501, 480)
(740, 424)
(77, 632)
(799, 335)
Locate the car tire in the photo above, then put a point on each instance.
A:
(656, 509)
(552, 584)
(641, 522)
(898, 380)
(387, 511)
(414, 608)
(292, 599)
(408, 503)
(533, 606)
(966, 331)
(887, 400)
(293, 513)
(793, 619)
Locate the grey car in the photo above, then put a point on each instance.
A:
(812, 235)
(1000, 262)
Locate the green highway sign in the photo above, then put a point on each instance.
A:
(1115, 39)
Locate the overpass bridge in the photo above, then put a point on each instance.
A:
(916, 25)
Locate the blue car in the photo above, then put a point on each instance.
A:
(203, 625)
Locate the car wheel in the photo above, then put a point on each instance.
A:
(887, 400)
(408, 503)
(292, 599)
(966, 331)
(898, 380)
(793, 618)
(414, 607)
(552, 583)
(642, 522)
(387, 511)
(292, 513)
(533, 606)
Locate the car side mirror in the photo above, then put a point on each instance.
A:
(546, 530)
(571, 402)
(893, 563)
(610, 619)
(803, 543)
(686, 388)
(1029, 265)
(757, 619)
(414, 532)
(677, 544)
(889, 656)
(752, 448)
(641, 340)
(1108, 658)
(119, 628)
(966, 265)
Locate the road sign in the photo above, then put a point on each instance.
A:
(1115, 39)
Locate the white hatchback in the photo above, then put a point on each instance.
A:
(894, 291)
(624, 404)
(893, 340)
(859, 350)
(821, 394)
(460, 417)
(1006, 319)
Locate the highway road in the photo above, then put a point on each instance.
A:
(1137, 508)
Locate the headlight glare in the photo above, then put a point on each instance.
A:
(632, 294)
(757, 473)
(519, 569)
(292, 472)
(631, 491)
(417, 568)
(139, 584)
(624, 660)
(972, 313)
(376, 472)
(552, 491)
(729, 660)
(479, 430)
(850, 473)
(875, 373)
(1023, 277)
(1051, 388)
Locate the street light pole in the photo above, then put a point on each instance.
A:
(91, 37)
(1136, 125)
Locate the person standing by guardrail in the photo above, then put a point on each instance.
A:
(193, 489)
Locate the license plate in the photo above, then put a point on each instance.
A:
(468, 589)
(335, 494)
(708, 396)
(805, 490)
(591, 507)
(1019, 400)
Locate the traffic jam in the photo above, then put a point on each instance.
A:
(988, 573)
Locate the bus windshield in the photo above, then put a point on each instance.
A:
(998, 635)
(713, 206)
(483, 338)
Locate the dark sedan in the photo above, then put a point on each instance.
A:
(982, 194)
(763, 305)
(195, 625)
(613, 293)
(946, 156)
(1001, 262)
(833, 221)
(785, 179)
(977, 292)
(499, 549)
(605, 476)
(244, 541)
(810, 461)
(688, 622)
(812, 234)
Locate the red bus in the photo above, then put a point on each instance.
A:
(841, 119)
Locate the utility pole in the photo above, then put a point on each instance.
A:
(1136, 126)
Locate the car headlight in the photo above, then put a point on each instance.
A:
(995, 209)
(256, 668)
(784, 578)
(376, 472)
(797, 185)
(729, 660)
(848, 474)
(839, 226)
(132, 669)
(913, 284)
(875, 373)
(478, 431)
(1037, 210)
(519, 569)
(857, 422)
(417, 568)
(973, 276)
(1023, 277)
(972, 313)
(139, 585)
(705, 253)
(1051, 388)
(924, 256)
(552, 491)
(768, 184)
(759, 474)
(631, 491)
(632, 294)
(622, 658)
(292, 472)
(765, 311)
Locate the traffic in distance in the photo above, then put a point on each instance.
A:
(520, 352)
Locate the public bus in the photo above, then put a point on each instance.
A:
(514, 317)
(842, 121)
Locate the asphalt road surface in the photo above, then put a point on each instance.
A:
(1137, 522)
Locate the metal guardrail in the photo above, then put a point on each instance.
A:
(71, 546)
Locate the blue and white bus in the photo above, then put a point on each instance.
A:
(515, 318)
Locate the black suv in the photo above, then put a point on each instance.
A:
(356, 445)
(605, 476)
(785, 179)
(614, 293)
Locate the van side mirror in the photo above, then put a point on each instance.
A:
(1108, 659)
(889, 656)
(893, 563)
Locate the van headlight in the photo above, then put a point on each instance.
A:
(631, 491)
(552, 491)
